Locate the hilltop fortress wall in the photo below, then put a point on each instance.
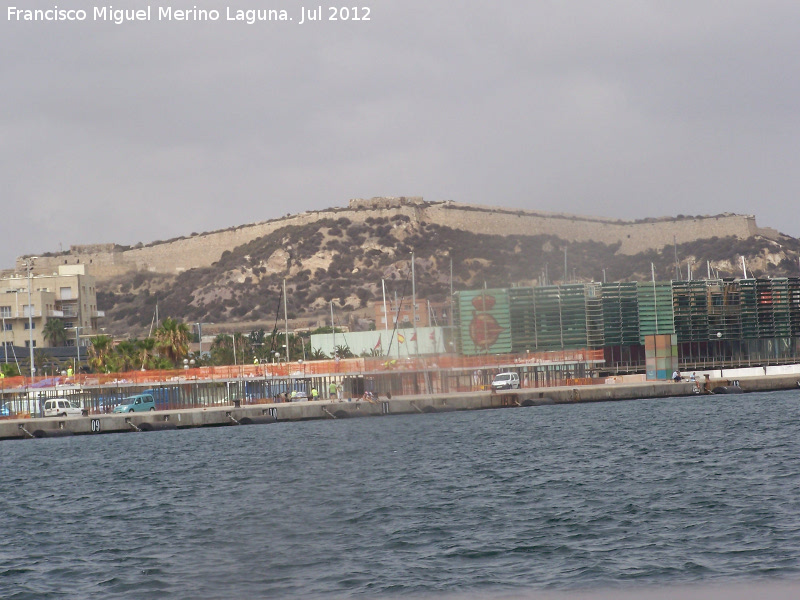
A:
(107, 260)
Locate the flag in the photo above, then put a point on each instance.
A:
(400, 338)
(413, 337)
(379, 344)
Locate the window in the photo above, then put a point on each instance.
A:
(30, 325)
(5, 311)
(8, 326)
(28, 343)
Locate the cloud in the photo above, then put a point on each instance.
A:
(145, 131)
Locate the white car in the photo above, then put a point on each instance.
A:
(505, 381)
(61, 407)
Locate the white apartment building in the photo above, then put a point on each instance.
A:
(68, 295)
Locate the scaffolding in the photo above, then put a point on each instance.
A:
(620, 314)
(690, 308)
(793, 287)
(560, 317)
(724, 310)
(523, 319)
(595, 330)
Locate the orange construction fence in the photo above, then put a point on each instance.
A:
(300, 369)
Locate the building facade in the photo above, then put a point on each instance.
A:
(730, 323)
(28, 303)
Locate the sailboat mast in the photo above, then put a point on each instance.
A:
(286, 319)
(414, 304)
(385, 314)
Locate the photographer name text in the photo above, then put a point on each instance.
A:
(119, 16)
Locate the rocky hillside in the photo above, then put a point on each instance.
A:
(339, 260)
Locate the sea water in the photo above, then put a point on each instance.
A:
(604, 498)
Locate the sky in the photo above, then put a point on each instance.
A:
(148, 130)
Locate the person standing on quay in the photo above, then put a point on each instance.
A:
(332, 390)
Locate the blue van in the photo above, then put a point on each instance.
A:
(137, 403)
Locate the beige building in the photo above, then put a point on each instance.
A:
(68, 295)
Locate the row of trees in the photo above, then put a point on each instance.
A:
(169, 347)
(164, 350)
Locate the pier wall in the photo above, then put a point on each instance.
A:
(300, 411)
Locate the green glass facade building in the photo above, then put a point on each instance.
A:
(719, 323)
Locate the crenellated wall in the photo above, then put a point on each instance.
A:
(107, 260)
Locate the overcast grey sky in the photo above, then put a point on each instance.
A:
(150, 130)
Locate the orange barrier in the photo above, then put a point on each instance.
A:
(348, 366)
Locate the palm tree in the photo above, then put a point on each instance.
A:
(318, 354)
(344, 352)
(145, 353)
(99, 351)
(172, 340)
(126, 354)
(222, 350)
(55, 332)
(9, 370)
(44, 362)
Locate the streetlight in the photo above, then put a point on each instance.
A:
(78, 347)
(200, 337)
(29, 268)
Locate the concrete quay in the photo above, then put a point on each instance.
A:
(217, 416)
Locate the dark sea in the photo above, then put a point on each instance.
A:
(678, 498)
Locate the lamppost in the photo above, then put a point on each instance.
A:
(29, 268)
(200, 337)
(77, 328)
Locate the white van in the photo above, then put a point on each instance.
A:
(61, 407)
(505, 381)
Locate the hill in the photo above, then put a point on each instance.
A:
(341, 255)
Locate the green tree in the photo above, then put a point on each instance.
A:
(54, 332)
(198, 360)
(222, 349)
(344, 352)
(10, 370)
(99, 352)
(145, 353)
(317, 354)
(172, 340)
(45, 364)
(126, 356)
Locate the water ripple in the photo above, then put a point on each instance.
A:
(607, 495)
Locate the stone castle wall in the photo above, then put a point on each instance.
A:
(107, 260)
